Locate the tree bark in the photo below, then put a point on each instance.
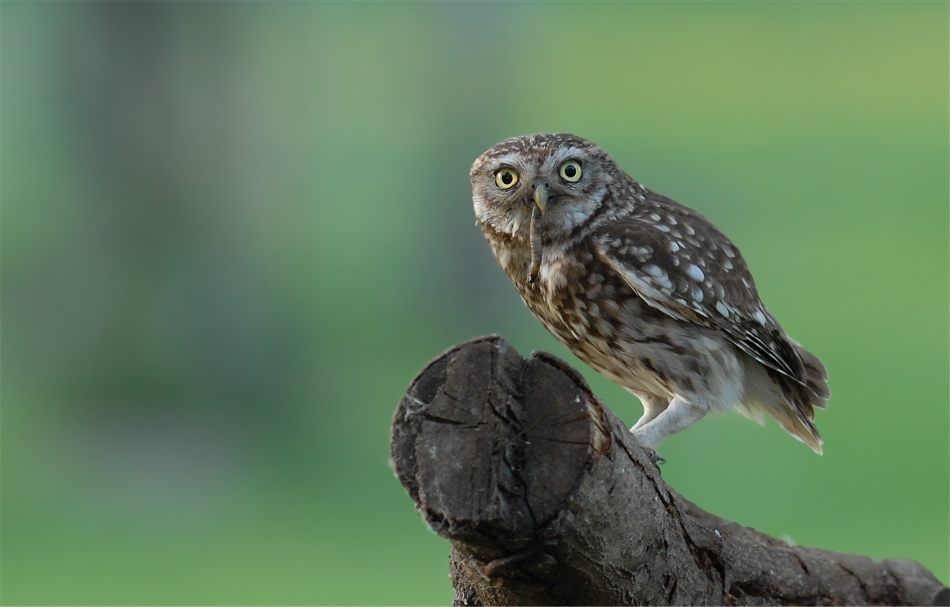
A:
(548, 499)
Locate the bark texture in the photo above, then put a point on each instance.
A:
(549, 500)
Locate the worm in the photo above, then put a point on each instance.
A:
(535, 237)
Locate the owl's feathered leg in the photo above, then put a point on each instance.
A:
(679, 415)
(652, 406)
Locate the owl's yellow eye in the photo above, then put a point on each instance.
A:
(506, 178)
(571, 171)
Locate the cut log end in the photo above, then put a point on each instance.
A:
(474, 422)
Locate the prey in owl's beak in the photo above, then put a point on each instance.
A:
(540, 205)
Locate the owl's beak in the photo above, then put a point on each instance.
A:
(541, 197)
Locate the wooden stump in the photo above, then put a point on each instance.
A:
(548, 499)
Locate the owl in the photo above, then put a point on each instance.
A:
(644, 290)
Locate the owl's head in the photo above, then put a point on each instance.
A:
(565, 176)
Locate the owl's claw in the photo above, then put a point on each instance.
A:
(656, 459)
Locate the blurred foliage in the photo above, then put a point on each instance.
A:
(233, 232)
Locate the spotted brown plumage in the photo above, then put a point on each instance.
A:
(643, 289)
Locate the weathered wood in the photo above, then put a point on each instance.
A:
(548, 499)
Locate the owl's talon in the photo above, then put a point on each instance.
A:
(656, 459)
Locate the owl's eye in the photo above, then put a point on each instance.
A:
(571, 171)
(506, 178)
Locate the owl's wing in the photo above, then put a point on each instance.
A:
(682, 265)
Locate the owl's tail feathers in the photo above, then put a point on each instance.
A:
(792, 403)
(799, 423)
(815, 378)
(815, 393)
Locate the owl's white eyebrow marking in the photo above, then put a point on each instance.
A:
(512, 159)
(560, 155)
(694, 272)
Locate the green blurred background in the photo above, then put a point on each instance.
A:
(233, 232)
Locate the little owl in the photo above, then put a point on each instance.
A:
(641, 288)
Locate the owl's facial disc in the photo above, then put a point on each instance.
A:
(560, 175)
